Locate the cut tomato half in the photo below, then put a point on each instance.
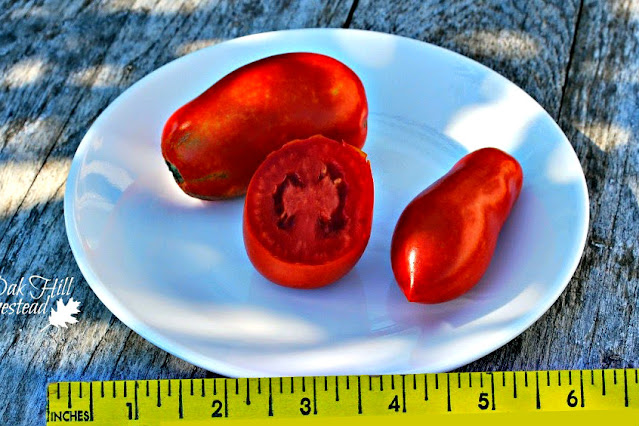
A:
(308, 212)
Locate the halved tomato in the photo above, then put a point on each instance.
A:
(308, 212)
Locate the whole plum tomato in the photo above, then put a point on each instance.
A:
(308, 212)
(214, 143)
(445, 238)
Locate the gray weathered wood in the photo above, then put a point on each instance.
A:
(63, 62)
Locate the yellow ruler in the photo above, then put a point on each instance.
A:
(567, 397)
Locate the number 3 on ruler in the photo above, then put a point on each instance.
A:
(306, 406)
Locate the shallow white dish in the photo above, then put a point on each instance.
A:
(174, 268)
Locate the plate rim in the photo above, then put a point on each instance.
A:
(221, 367)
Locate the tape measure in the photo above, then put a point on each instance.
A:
(451, 398)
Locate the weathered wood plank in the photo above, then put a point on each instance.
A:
(600, 114)
(61, 64)
(593, 324)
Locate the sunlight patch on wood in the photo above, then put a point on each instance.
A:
(607, 136)
(96, 76)
(16, 178)
(192, 46)
(24, 73)
(503, 44)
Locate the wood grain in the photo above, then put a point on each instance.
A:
(63, 62)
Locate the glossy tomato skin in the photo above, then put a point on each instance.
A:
(308, 212)
(445, 238)
(214, 143)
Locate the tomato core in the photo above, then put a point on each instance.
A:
(314, 206)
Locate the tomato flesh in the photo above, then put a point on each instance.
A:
(308, 212)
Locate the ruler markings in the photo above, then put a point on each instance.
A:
(270, 398)
(226, 399)
(625, 387)
(326, 383)
(448, 390)
(135, 396)
(281, 385)
(481, 380)
(214, 386)
(101, 390)
(180, 402)
(404, 393)
(538, 397)
(315, 396)
(581, 386)
(90, 401)
(425, 388)
(492, 389)
(259, 385)
(525, 378)
(456, 401)
(359, 394)
(48, 411)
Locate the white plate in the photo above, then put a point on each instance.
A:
(174, 268)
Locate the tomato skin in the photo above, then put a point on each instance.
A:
(214, 143)
(445, 238)
(324, 256)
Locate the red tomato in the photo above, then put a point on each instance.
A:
(308, 212)
(214, 143)
(445, 238)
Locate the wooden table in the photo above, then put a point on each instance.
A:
(63, 62)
